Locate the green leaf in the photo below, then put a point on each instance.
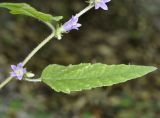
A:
(25, 9)
(86, 76)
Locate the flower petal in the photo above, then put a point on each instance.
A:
(97, 5)
(79, 25)
(24, 71)
(19, 77)
(74, 19)
(13, 67)
(71, 24)
(20, 65)
(104, 6)
(13, 74)
(18, 71)
(106, 1)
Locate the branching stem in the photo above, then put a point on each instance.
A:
(90, 6)
(30, 55)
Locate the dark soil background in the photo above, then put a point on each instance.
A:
(128, 33)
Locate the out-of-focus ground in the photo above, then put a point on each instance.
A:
(128, 33)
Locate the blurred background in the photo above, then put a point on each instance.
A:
(128, 33)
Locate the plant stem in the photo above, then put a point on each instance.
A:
(84, 10)
(5, 82)
(50, 26)
(33, 80)
(37, 48)
(32, 53)
(90, 6)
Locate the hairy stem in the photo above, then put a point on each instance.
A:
(84, 10)
(90, 6)
(32, 53)
(33, 80)
(5, 82)
(37, 48)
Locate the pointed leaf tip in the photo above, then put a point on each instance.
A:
(86, 76)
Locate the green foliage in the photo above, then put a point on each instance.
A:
(16, 104)
(25, 9)
(86, 76)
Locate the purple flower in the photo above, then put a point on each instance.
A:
(18, 71)
(71, 24)
(101, 4)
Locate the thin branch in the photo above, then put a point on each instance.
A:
(84, 10)
(30, 55)
(5, 82)
(90, 6)
(33, 80)
(38, 48)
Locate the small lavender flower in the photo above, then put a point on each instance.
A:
(71, 24)
(18, 71)
(101, 4)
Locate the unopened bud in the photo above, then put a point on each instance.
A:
(30, 75)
